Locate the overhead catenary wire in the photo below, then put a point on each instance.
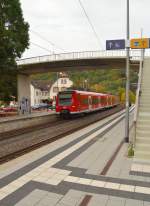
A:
(35, 44)
(43, 38)
(90, 22)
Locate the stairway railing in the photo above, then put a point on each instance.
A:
(138, 94)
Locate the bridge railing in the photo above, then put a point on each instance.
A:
(134, 55)
(138, 94)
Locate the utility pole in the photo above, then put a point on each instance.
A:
(127, 74)
(57, 82)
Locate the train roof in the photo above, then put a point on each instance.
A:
(84, 92)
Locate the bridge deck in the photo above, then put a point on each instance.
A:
(78, 60)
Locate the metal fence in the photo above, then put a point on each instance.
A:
(134, 55)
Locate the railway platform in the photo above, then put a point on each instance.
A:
(89, 167)
(18, 122)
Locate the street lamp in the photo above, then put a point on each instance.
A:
(7, 24)
(127, 75)
(86, 84)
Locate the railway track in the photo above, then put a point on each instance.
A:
(24, 140)
(17, 132)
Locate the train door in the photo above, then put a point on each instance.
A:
(100, 102)
(108, 101)
(79, 102)
(90, 102)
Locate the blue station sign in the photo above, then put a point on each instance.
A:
(115, 44)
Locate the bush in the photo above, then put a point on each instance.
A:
(130, 150)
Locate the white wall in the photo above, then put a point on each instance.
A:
(37, 95)
(62, 84)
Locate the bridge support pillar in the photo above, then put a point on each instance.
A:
(24, 94)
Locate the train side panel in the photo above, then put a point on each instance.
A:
(84, 104)
(74, 102)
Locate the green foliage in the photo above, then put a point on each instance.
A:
(46, 76)
(122, 96)
(109, 80)
(132, 97)
(14, 39)
(130, 150)
(8, 85)
(98, 88)
(106, 81)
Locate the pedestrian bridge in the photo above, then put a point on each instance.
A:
(72, 62)
(79, 60)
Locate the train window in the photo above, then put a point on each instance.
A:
(85, 101)
(103, 100)
(95, 100)
(78, 97)
(65, 99)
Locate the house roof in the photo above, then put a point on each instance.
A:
(43, 85)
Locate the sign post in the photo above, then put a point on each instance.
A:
(127, 75)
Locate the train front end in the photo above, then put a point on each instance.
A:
(65, 103)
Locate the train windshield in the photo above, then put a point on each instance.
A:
(65, 99)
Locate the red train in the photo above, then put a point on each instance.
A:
(77, 102)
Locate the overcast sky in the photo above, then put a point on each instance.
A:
(63, 23)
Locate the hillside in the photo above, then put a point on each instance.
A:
(110, 81)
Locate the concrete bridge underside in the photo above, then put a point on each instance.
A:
(76, 64)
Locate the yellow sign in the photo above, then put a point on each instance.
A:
(139, 43)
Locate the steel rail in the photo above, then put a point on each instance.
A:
(29, 144)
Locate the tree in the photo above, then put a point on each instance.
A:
(14, 39)
(98, 88)
(122, 95)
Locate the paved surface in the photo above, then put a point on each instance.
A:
(18, 122)
(27, 116)
(67, 172)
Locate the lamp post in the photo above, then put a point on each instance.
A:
(7, 24)
(127, 75)
(57, 82)
(85, 81)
